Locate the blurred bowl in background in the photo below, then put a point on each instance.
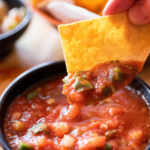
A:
(7, 39)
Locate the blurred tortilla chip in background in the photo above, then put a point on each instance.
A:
(39, 3)
(90, 42)
(94, 5)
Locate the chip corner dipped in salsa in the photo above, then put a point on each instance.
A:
(103, 113)
(99, 83)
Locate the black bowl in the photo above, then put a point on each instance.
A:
(42, 72)
(8, 39)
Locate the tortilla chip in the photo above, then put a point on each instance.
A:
(90, 42)
(39, 3)
(94, 5)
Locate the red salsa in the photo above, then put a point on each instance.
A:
(101, 82)
(42, 119)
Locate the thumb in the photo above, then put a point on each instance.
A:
(139, 14)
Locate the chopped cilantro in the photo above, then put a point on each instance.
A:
(31, 95)
(109, 134)
(82, 84)
(108, 146)
(116, 74)
(24, 146)
(65, 79)
(39, 127)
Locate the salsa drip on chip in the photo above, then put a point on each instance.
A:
(91, 48)
(101, 82)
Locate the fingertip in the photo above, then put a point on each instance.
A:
(110, 8)
(106, 10)
(117, 6)
(139, 14)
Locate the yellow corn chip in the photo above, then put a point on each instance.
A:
(39, 3)
(94, 5)
(90, 42)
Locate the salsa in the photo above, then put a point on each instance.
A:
(42, 119)
(99, 83)
(9, 19)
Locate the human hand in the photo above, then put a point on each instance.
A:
(138, 10)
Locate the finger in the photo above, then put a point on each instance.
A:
(117, 6)
(139, 14)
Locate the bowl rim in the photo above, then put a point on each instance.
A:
(28, 72)
(20, 26)
(22, 75)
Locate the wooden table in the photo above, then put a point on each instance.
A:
(40, 43)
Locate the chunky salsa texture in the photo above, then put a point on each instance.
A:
(99, 83)
(42, 119)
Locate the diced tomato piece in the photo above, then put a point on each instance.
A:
(60, 128)
(68, 141)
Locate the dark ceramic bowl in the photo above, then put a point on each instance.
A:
(7, 39)
(39, 73)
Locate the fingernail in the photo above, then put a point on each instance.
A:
(138, 14)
